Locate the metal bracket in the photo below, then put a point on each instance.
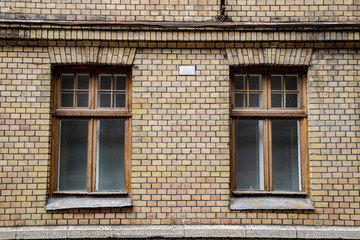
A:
(222, 16)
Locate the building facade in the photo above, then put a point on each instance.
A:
(179, 119)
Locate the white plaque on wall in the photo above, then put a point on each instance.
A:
(187, 70)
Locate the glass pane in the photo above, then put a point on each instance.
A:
(277, 100)
(240, 82)
(277, 82)
(291, 82)
(105, 82)
(73, 155)
(110, 155)
(255, 100)
(82, 81)
(255, 82)
(104, 99)
(67, 81)
(119, 100)
(67, 99)
(286, 155)
(240, 100)
(82, 99)
(120, 82)
(249, 155)
(292, 100)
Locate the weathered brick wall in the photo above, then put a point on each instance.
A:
(24, 133)
(111, 10)
(293, 10)
(180, 161)
(182, 10)
(334, 135)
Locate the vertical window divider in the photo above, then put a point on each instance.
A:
(95, 154)
(112, 90)
(270, 160)
(90, 155)
(266, 155)
(265, 90)
(247, 90)
(285, 91)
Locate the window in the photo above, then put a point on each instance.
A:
(91, 130)
(268, 122)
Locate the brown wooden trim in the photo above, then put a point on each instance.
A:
(277, 193)
(267, 114)
(255, 112)
(232, 155)
(270, 156)
(89, 193)
(91, 113)
(91, 155)
(54, 156)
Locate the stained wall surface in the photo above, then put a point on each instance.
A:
(180, 133)
(182, 10)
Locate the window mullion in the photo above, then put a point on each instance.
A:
(265, 91)
(91, 145)
(247, 90)
(268, 155)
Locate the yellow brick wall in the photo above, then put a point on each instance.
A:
(180, 129)
(182, 10)
(294, 10)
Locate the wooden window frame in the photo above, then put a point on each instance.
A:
(92, 113)
(267, 114)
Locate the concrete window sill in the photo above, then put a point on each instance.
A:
(270, 203)
(57, 202)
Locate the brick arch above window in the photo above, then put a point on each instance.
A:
(92, 55)
(269, 56)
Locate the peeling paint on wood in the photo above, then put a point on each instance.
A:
(247, 203)
(56, 203)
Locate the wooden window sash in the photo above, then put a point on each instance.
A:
(92, 114)
(268, 114)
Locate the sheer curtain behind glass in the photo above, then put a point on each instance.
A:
(285, 155)
(110, 155)
(249, 155)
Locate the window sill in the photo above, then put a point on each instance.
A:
(65, 202)
(275, 202)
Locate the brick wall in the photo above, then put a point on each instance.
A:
(180, 160)
(182, 10)
(333, 99)
(294, 10)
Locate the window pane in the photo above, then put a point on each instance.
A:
(82, 99)
(104, 99)
(105, 82)
(255, 100)
(67, 81)
(120, 82)
(73, 155)
(110, 155)
(291, 82)
(277, 100)
(67, 99)
(240, 82)
(255, 82)
(277, 82)
(249, 155)
(240, 100)
(285, 155)
(82, 81)
(119, 100)
(292, 100)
